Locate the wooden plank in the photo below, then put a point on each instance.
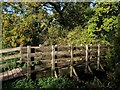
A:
(78, 54)
(20, 74)
(45, 61)
(5, 75)
(12, 56)
(19, 71)
(63, 55)
(98, 59)
(28, 61)
(61, 64)
(56, 62)
(71, 63)
(76, 75)
(9, 50)
(63, 48)
(21, 57)
(24, 50)
(86, 59)
(10, 75)
(63, 60)
(80, 47)
(92, 51)
(53, 60)
(35, 47)
(44, 57)
(1, 76)
(14, 73)
(38, 54)
(44, 49)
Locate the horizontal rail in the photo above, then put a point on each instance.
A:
(37, 54)
(9, 50)
(12, 57)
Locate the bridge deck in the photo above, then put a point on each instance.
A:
(14, 73)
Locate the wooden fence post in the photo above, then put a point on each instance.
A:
(56, 64)
(71, 63)
(28, 61)
(53, 60)
(21, 54)
(86, 63)
(98, 58)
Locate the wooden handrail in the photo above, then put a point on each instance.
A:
(9, 50)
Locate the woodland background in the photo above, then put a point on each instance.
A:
(62, 23)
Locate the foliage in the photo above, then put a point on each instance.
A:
(80, 36)
(34, 23)
(43, 83)
(59, 83)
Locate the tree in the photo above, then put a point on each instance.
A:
(23, 24)
(104, 21)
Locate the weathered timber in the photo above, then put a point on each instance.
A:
(44, 57)
(92, 52)
(43, 49)
(53, 61)
(71, 63)
(78, 54)
(10, 75)
(28, 61)
(79, 48)
(61, 56)
(1, 76)
(38, 54)
(35, 47)
(86, 59)
(5, 75)
(76, 74)
(12, 56)
(98, 58)
(63, 59)
(62, 48)
(9, 50)
(24, 50)
(21, 57)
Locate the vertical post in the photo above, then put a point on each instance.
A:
(56, 64)
(98, 58)
(28, 61)
(71, 64)
(53, 61)
(86, 65)
(21, 54)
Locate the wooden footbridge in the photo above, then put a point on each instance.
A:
(25, 61)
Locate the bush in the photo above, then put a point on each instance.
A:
(43, 83)
(57, 83)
